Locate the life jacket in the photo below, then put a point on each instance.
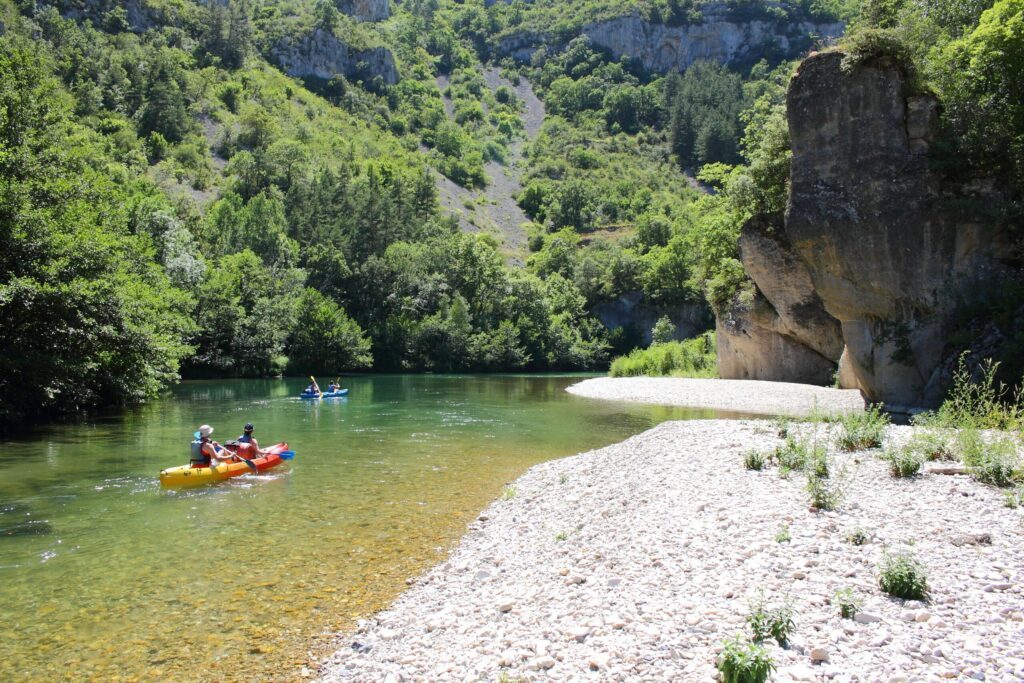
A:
(198, 458)
(244, 438)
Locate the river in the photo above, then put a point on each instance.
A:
(105, 576)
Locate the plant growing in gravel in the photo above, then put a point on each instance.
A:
(767, 622)
(561, 536)
(849, 603)
(792, 455)
(825, 494)
(931, 445)
(509, 493)
(781, 426)
(903, 462)
(858, 537)
(754, 460)
(994, 462)
(1014, 499)
(782, 536)
(902, 576)
(563, 478)
(817, 462)
(977, 401)
(863, 430)
(743, 661)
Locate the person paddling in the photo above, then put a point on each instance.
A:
(205, 452)
(248, 438)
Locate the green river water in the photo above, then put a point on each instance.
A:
(105, 576)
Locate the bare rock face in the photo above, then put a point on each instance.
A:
(321, 54)
(366, 10)
(752, 345)
(631, 309)
(661, 48)
(864, 217)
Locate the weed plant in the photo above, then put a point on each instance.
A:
(863, 430)
(858, 537)
(510, 493)
(754, 460)
(994, 462)
(768, 622)
(1014, 499)
(931, 446)
(782, 536)
(849, 603)
(743, 661)
(903, 462)
(902, 576)
(691, 358)
(824, 494)
(977, 401)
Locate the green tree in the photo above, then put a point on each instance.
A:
(325, 338)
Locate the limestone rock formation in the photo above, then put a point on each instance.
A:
(871, 234)
(631, 310)
(661, 48)
(366, 10)
(321, 54)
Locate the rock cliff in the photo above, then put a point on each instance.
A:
(870, 263)
(661, 48)
(631, 310)
(366, 10)
(321, 54)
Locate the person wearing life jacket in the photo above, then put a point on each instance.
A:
(205, 452)
(248, 447)
(334, 387)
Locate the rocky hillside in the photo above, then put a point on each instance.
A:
(660, 48)
(866, 273)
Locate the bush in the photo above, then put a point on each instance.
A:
(782, 536)
(754, 460)
(995, 462)
(858, 537)
(863, 430)
(930, 446)
(849, 603)
(902, 576)
(691, 358)
(743, 661)
(770, 623)
(976, 401)
(903, 462)
(824, 494)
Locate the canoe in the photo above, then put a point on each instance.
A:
(186, 475)
(327, 394)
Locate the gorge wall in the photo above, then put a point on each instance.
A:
(661, 48)
(864, 275)
(321, 54)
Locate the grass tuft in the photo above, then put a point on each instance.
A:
(903, 462)
(849, 603)
(863, 430)
(743, 661)
(902, 576)
(754, 460)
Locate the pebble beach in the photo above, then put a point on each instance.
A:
(637, 561)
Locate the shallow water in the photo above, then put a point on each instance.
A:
(105, 576)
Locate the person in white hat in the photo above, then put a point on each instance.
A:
(206, 452)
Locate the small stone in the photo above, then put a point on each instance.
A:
(866, 618)
(505, 606)
(997, 587)
(799, 576)
(922, 616)
(388, 634)
(819, 655)
(598, 661)
(579, 634)
(542, 663)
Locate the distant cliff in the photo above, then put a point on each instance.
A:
(366, 10)
(321, 54)
(866, 272)
(660, 48)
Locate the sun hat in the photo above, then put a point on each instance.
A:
(205, 430)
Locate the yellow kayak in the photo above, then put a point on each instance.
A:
(186, 475)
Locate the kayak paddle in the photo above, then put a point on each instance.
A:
(287, 455)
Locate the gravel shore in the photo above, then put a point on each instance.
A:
(734, 395)
(634, 562)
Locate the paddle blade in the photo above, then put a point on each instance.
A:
(287, 455)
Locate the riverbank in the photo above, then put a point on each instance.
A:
(738, 396)
(636, 561)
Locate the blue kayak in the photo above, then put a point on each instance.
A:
(327, 394)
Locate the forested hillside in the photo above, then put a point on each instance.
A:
(250, 188)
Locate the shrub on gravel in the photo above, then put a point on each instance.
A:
(754, 460)
(743, 661)
(863, 430)
(782, 536)
(825, 494)
(858, 537)
(903, 462)
(849, 603)
(931, 446)
(902, 576)
(1014, 499)
(509, 493)
(796, 455)
(768, 622)
(994, 462)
